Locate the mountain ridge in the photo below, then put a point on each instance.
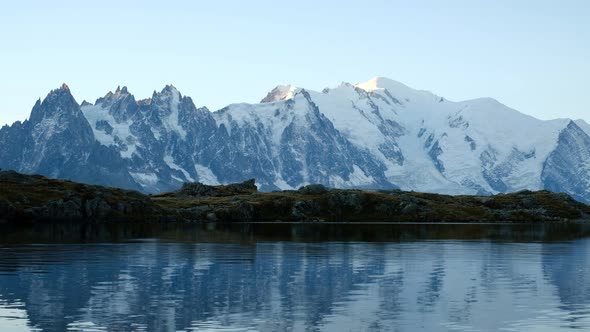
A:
(372, 135)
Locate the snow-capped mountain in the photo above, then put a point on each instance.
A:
(377, 134)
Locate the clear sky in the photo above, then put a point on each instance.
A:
(533, 55)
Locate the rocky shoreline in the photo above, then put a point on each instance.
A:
(26, 199)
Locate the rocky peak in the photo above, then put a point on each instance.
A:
(280, 92)
(120, 90)
(57, 121)
(169, 90)
(168, 95)
(63, 90)
(116, 98)
(144, 102)
(58, 102)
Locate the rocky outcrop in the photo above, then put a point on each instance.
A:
(33, 198)
(246, 187)
(313, 189)
(197, 189)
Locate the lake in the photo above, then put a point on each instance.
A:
(297, 278)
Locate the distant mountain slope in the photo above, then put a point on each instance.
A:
(377, 134)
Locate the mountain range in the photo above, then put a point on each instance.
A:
(373, 135)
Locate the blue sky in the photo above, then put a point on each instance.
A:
(531, 55)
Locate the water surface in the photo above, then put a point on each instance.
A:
(257, 284)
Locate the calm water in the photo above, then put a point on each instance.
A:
(247, 283)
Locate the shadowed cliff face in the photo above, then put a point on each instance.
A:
(58, 141)
(567, 167)
(34, 198)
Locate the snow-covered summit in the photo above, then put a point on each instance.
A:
(280, 92)
(382, 83)
(401, 92)
(422, 141)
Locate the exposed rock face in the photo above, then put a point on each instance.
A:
(58, 141)
(344, 203)
(58, 210)
(313, 189)
(305, 210)
(35, 198)
(567, 168)
(97, 208)
(246, 187)
(197, 189)
(7, 212)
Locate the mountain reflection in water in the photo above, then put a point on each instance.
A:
(430, 285)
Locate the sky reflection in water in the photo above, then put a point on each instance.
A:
(449, 285)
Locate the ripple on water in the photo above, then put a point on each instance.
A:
(274, 286)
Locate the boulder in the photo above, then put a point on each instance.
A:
(197, 189)
(246, 187)
(313, 189)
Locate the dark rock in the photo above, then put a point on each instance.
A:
(304, 210)
(200, 212)
(58, 210)
(245, 187)
(386, 209)
(410, 208)
(243, 212)
(197, 189)
(347, 200)
(12, 176)
(64, 201)
(7, 211)
(124, 207)
(97, 208)
(313, 189)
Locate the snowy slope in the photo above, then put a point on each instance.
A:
(297, 144)
(477, 146)
(422, 141)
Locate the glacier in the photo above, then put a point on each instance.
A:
(372, 135)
